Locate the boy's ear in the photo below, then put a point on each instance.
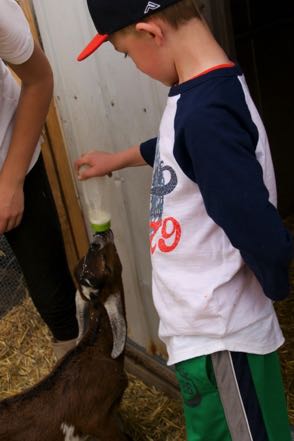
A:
(152, 29)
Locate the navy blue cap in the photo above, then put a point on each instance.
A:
(111, 16)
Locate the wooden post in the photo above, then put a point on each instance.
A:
(59, 174)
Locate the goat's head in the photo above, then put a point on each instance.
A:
(99, 277)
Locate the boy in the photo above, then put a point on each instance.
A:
(220, 253)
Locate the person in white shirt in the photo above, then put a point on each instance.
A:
(28, 216)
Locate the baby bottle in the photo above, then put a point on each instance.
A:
(96, 192)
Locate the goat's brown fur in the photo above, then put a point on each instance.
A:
(84, 390)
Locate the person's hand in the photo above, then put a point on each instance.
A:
(94, 163)
(11, 205)
(98, 163)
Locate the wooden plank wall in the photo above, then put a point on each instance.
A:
(59, 174)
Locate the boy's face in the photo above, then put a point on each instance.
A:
(151, 59)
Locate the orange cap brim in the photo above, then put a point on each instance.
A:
(92, 46)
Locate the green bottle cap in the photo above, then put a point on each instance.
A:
(100, 228)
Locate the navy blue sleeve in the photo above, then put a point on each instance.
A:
(148, 149)
(230, 178)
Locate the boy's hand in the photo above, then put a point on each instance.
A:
(103, 163)
(97, 164)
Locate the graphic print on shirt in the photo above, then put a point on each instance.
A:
(165, 233)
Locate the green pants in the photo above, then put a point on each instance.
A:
(232, 396)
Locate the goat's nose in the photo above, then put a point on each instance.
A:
(95, 246)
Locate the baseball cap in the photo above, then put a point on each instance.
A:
(111, 16)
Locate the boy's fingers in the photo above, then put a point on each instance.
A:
(81, 175)
(76, 164)
(85, 158)
(79, 163)
(85, 174)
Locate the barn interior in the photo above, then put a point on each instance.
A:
(260, 35)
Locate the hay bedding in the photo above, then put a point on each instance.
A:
(26, 357)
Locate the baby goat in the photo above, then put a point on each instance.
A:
(82, 394)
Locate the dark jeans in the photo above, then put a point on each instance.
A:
(38, 246)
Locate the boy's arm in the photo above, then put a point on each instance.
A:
(36, 93)
(99, 163)
(231, 182)
(148, 150)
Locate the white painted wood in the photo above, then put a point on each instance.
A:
(105, 103)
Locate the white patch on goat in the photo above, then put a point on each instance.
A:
(69, 433)
(87, 291)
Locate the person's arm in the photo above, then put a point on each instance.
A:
(148, 150)
(99, 163)
(231, 183)
(36, 92)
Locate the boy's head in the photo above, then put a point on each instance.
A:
(111, 17)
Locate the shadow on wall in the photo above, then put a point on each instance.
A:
(261, 33)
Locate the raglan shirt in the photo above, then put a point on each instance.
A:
(219, 251)
(16, 47)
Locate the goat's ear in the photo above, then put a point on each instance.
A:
(115, 311)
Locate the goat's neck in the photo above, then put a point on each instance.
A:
(99, 332)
